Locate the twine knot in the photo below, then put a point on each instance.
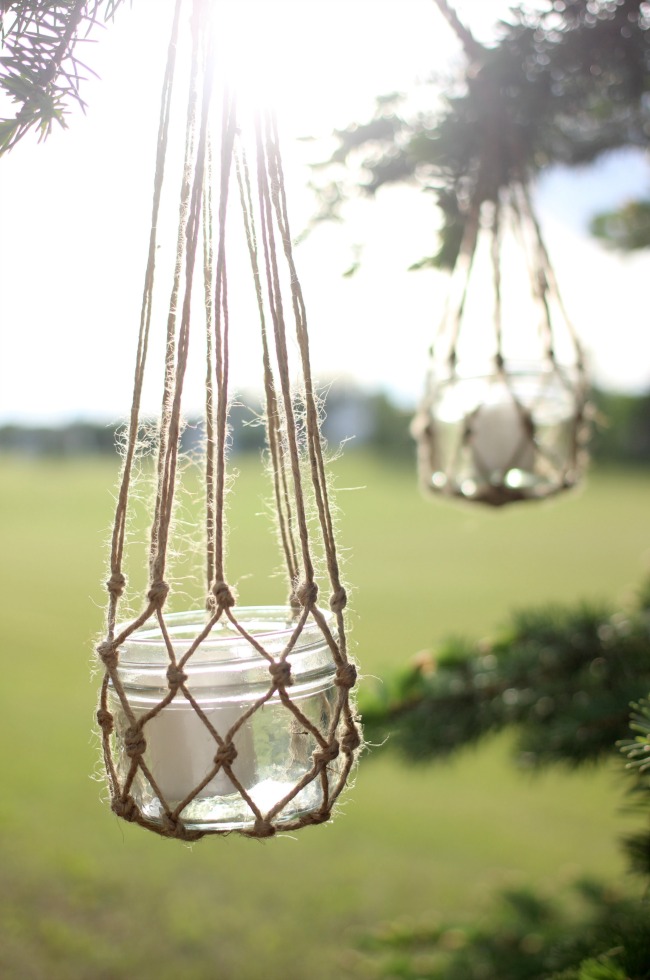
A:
(307, 594)
(107, 654)
(346, 676)
(126, 809)
(105, 721)
(222, 593)
(327, 754)
(134, 742)
(351, 741)
(263, 828)
(115, 584)
(226, 754)
(320, 816)
(172, 826)
(280, 671)
(338, 600)
(175, 677)
(158, 593)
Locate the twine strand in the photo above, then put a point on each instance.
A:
(229, 123)
(119, 526)
(279, 327)
(274, 428)
(208, 297)
(319, 480)
(168, 478)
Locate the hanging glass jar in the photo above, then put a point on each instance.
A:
(505, 410)
(504, 415)
(221, 752)
(224, 718)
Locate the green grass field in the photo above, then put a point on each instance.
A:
(85, 896)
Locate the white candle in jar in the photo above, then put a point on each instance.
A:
(181, 749)
(500, 440)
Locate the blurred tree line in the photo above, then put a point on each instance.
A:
(358, 419)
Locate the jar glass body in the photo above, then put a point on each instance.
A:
(497, 438)
(228, 681)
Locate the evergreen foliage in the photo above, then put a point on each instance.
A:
(561, 678)
(40, 69)
(526, 937)
(637, 752)
(563, 84)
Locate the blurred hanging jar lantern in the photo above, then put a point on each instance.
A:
(504, 413)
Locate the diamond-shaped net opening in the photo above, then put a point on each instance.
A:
(224, 718)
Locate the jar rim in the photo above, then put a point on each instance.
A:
(271, 626)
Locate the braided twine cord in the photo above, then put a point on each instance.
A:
(294, 447)
(499, 201)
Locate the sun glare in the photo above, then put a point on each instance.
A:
(262, 48)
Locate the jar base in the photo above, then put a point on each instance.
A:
(226, 813)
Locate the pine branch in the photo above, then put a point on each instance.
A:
(473, 49)
(561, 679)
(40, 70)
(529, 937)
(526, 936)
(637, 754)
(561, 85)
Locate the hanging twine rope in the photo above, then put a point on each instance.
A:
(203, 211)
(452, 460)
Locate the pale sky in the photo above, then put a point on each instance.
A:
(75, 214)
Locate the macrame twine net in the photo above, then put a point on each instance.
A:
(293, 441)
(505, 413)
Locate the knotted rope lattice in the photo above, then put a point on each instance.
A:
(328, 740)
(504, 414)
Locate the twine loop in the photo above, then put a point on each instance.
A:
(115, 584)
(175, 677)
(105, 721)
(107, 654)
(307, 594)
(320, 816)
(226, 754)
(280, 671)
(158, 593)
(134, 742)
(346, 676)
(173, 827)
(338, 600)
(327, 754)
(351, 741)
(263, 828)
(127, 809)
(223, 594)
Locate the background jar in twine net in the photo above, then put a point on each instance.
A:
(505, 413)
(224, 718)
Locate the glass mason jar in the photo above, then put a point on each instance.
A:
(498, 438)
(226, 676)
